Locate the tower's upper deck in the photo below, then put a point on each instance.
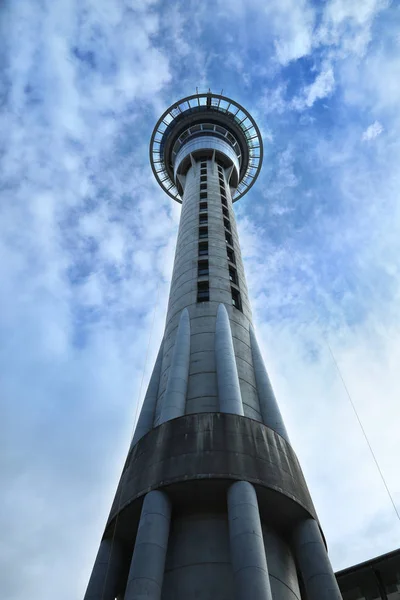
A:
(205, 125)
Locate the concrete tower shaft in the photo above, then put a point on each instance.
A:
(212, 502)
(208, 271)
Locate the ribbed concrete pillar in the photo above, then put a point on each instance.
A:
(146, 418)
(247, 545)
(270, 412)
(104, 580)
(312, 559)
(230, 399)
(175, 395)
(147, 567)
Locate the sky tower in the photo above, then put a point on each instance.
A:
(212, 503)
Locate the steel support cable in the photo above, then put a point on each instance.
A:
(362, 427)
(135, 418)
(146, 357)
(356, 413)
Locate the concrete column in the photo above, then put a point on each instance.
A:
(105, 578)
(147, 567)
(312, 559)
(269, 408)
(146, 418)
(247, 545)
(175, 394)
(230, 399)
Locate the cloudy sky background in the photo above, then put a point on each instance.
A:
(87, 241)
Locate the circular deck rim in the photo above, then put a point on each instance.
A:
(220, 103)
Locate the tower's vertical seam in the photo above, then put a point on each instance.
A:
(230, 399)
(175, 395)
(146, 419)
(268, 405)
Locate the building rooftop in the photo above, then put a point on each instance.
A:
(374, 579)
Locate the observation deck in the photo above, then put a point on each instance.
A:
(205, 126)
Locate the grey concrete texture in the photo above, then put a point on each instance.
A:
(202, 362)
(105, 578)
(248, 558)
(245, 370)
(198, 563)
(188, 231)
(146, 572)
(271, 414)
(202, 384)
(313, 562)
(221, 144)
(203, 570)
(216, 446)
(202, 404)
(281, 566)
(193, 435)
(202, 380)
(249, 400)
(147, 414)
(176, 391)
(230, 399)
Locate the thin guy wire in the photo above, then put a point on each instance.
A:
(147, 353)
(356, 413)
(133, 428)
(362, 427)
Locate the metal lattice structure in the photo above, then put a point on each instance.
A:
(221, 112)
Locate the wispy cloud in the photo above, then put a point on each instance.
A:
(322, 87)
(372, 131)
(81, 224)
(87, 241)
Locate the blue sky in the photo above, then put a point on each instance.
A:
(87, 241)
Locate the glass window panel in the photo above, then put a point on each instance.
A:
(203, 232)
(203, 248)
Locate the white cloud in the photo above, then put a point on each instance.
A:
(347, 25)
(288, 23)
(284, 177)
(295, 313)
(344, 33)
(310, 391)
(374, 84)
(292, 24)
(77, 202)
(87, 238)
(335, 275)
(372, 131)
(273, 101)
(322, 87)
